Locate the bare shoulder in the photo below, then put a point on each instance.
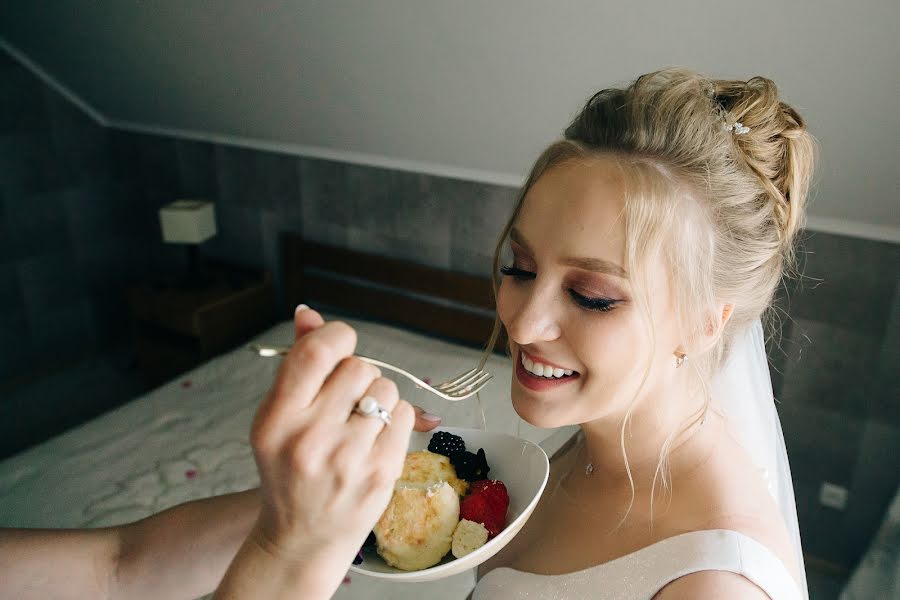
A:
(712, 585)
(744, 504)
(757, 515)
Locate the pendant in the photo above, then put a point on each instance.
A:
(589, 469)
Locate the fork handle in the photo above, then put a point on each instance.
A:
(271, 351)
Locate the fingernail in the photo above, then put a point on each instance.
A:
(300, 307)
(430, 417)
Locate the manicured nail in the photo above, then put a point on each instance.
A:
(300, 307)
(430, 417)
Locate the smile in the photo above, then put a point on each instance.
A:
(542, 370)
(539, 376)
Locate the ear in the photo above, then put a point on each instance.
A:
(714, 326)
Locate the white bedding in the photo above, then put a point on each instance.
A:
(188, 438)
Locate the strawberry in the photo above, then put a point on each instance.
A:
(486, 503)
(494, 490)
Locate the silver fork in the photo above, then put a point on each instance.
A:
(458, 388)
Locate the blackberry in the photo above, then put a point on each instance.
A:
(369, 544)
(471, 467)
(446, 443)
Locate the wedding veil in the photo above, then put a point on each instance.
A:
(744, 392)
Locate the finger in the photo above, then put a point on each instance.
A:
(391, 445)
(302, 374)
(366, 428)
(306, 320)
(344, 388)
(425, 421)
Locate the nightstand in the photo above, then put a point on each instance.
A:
(178, 327)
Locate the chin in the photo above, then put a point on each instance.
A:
(538, 414)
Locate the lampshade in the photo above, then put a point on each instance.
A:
(187, 221)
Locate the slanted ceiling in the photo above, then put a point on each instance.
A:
(471, 89)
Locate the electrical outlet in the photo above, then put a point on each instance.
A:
(833, 496)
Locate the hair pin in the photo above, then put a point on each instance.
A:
(738, 128)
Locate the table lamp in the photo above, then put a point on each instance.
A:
(189, 222)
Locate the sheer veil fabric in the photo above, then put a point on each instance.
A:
(743, 389)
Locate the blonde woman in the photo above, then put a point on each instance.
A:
(644, 250)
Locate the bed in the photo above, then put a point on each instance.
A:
(188, 438)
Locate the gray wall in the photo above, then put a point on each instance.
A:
(835, 372)
(79, 221)
(61, 222)
(470, 86)
(73, 234)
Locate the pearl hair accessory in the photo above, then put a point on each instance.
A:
(737, 127)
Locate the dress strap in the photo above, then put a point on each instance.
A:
(643, 573)
(725, 550)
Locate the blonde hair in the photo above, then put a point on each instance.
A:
(721, 208)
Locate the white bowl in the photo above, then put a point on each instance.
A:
(520, 464)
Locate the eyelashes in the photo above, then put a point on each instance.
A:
(596, 304)
(517, 273)
(601, 304)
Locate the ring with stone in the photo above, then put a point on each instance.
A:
(368, 407)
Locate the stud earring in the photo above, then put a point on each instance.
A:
(680, 357)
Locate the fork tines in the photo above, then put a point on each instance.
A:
(465, 382)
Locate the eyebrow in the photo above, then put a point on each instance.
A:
(588, 264)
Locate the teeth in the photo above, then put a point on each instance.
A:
(543, 370)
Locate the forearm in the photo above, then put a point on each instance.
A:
(56, 563)
(183, 552)
(258, 573)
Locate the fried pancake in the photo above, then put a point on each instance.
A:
(426, 468)
(416, 529)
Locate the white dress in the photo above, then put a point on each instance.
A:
(642, 574)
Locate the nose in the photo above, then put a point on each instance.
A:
(533, 320)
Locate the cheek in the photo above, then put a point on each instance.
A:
(611, 349)
(505, 301)
(605, 341)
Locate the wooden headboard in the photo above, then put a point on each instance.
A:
(447, 304)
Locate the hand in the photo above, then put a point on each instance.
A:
(326, 473)
(306, 321)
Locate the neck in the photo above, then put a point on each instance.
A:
(650, 424)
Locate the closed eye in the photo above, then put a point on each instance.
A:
(517, 273)
(601, 304)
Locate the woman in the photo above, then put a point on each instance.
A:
(642, 246)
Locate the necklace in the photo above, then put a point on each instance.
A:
(589, 469)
